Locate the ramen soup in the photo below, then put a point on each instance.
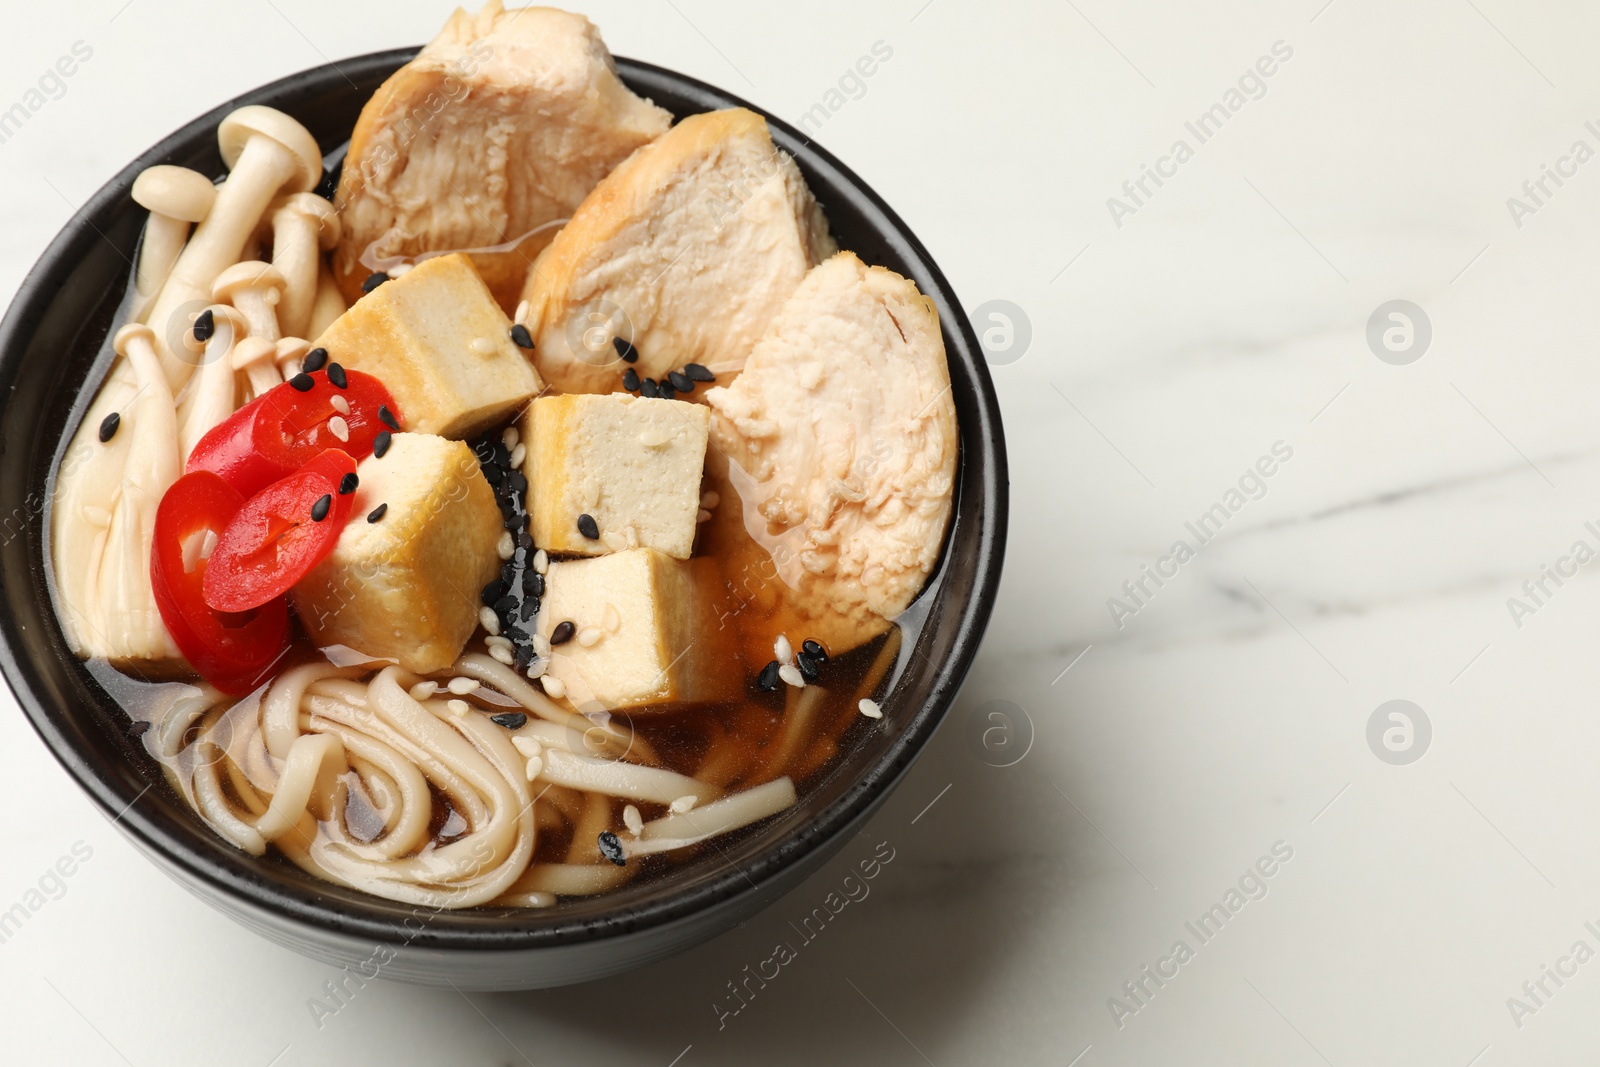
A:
(517, 512)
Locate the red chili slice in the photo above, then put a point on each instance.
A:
(283, 429)
(281, 533)
(232, 651)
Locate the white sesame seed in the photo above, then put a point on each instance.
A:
(701, 516)
(684, 805)
(541, 645)
(339, 428)
(632, 820)
(535, 767)
(423, 690)
(501, 653)
(654, 437)
(632, 535)
(506, 546)
(340, 404)
(458, 708)
(791, 674)
(510, 437)
(518, 454)
(612, 619)
(489, 620)
(528, 746)
(399, 270)
(463, 686)
(710, 499)
(589, 636)
(781, 649)
(536, 669)
(614, 540)
(522, 313)
(483, 346)
(541, 561)
(553, 685)
(496, 641)
(870, 709)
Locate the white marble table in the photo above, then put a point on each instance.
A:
(1177, 741)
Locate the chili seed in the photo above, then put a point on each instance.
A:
(205, 325)
(319, 510)
(815, 650)
(630, 380)
(348, 483)
(303, 382)
(588, 527)
(563, 632)
(699, 372)
(337, 376)
(625, 349)
(611, 848)
(767, 682)
(519, 336)
(315, 360)
(380, 443)
(680, 382)
(386, 417)
(377, 513)
(374, 280)
(511, 720)
(108, 426)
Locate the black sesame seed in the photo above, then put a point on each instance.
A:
(492, 592)
(625, 349)
(484, 450)
(563, 632)
(348, 483)
(517, 482)
(530, 608)
(699, 372)
(522, 658)
(525, 540)
(808, 666)
(533, 584)
(139, 728)
(493, 474)
(374, 280)
(516, 522)
(378, 512)
(319, 510)
(680, 382)
(768, 680)
(303, 382)
(815, 650)
(315, 360)
(511, 720)
(337, 376)
(508, 574)
(588, 527)
(648, 388)
(205, 325)
(108, 426)
(611, 848)
(630, 380)
(380, 443)
(505, 605)
(502, 455)
(519, 336)
(516, 634)
(386, 417)
(668, 392)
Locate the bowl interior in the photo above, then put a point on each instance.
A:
(56, 336)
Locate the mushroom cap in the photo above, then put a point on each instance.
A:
(292, 348)
(250, 350)
(176, 192)
(254, 120)
(251, 274)
(128, 333)
(313, 207)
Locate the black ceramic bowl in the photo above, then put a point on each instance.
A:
(56, 335)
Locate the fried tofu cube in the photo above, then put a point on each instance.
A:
(405, 585)
(645, 631)
(632, 464)
(442, 347)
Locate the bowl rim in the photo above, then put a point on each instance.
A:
(983, 469)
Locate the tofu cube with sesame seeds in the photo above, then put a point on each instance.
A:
(609, 472)
(442, 347)
(644, 632)
(404, 586)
